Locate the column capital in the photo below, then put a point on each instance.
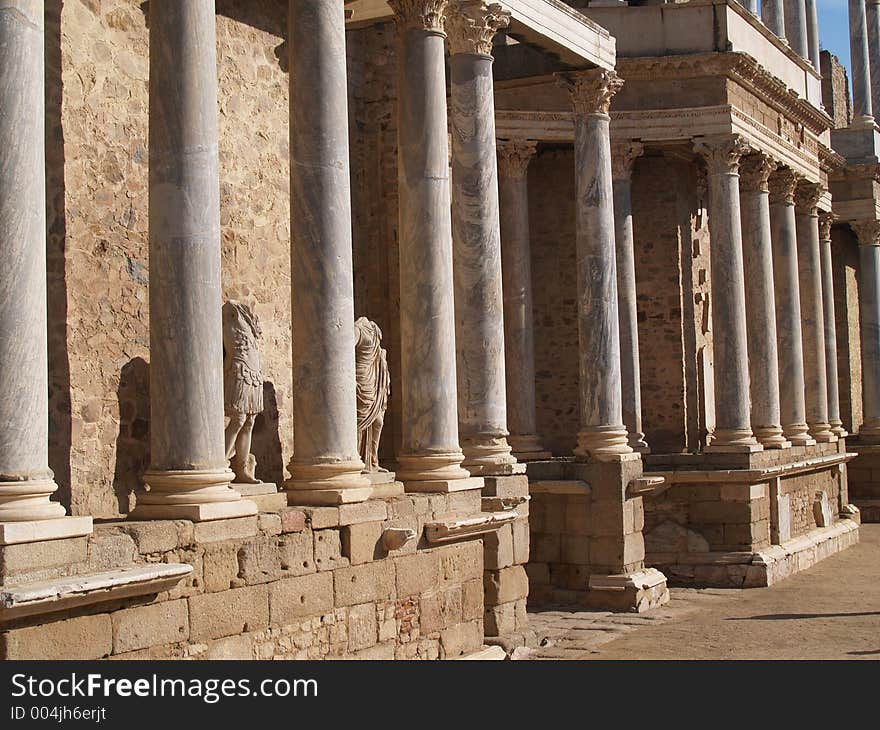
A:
(623, 158)
(427, 15)
(472, 24)
(782, 186)
(514, 156)
(754, 173)
(591, 91)
(867, 232)
(826, 219)
(806, 197)
(721, 153)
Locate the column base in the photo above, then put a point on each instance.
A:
(265, 495)
(14, 533)
(444, 486)
(327, 484)
(603, 443)
(327, 497)
(822, 433)
(869, 432)
(770, 437)
(638, 444)
(27, 500)
(733, 441)
(194, 512)
(528, 448)
(198, 495)
(490, 456)
(837, 428)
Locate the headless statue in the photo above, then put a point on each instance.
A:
(242, 387)
(373, 389)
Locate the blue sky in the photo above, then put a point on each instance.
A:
(834, 28)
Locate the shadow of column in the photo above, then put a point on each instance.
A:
(266, 439)
(133, 441)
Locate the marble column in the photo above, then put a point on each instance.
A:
(754, 195)
(812, 33)
(476, 240)
(796, 26)
(733, 430)
(430, 458)
(189, 476)
(825, 221)
(812, 318)
(860, 64)
(868, 234)
(773, 16)
(872, 23)
(326, 467)
(602, 434)
(750, 5)
(26, 481)
(623, 158)
(788, 308)
(516, 268)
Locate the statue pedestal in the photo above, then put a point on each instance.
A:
(384, 484)
(265, 495)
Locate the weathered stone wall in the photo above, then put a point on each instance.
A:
(845, 264)
(835, 90)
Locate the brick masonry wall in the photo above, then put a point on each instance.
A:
(835, 90)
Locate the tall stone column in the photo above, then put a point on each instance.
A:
(750, 5)
(430, 458)
(872, 23)
(868, 233)
(796, 26)
(189, 475)
(812, 317)
(860, 64)
(812, 33)
(26, 481)
(825, 221)
(623, 158)
(476, 240)
(773, 16)
(733, 431)
(326, 467)
(602, 434)
(788, 308)
(760, 308)
(516, 269)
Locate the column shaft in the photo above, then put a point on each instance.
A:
(476, 236)
(860, 64)
(868, 233)
(796, 26)
(812, 317)
(872, 23)
(750, 5)
(812, 33)
(760, 309)
(623, 157)
(188, 477)
(788, 308)
(773, 16)
(834, 419)
(516, 269)
(326, 467)
(733, 430)
(431, 457)
(25, 478)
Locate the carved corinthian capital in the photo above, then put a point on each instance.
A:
(514, 156)
(806, 197)
(782, 186)
(825, 221)
(722, 154)
(591, 91)
(419, 14)
(754, 173)
(867, 231)
(623, 158)
(472, 24)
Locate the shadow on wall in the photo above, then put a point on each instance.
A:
(266, 439)
(60, 424)
(133, 441)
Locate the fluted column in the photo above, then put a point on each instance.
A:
(825, 221)
(623, 158)
(189, 475)
(516, 268)
(326, 467)
(796, 26)
(868, 233)
(860, 63)
(872, 23)
(602, 434)
(812, 317)
(760, 308)
(773, 16)
(733, 431)
(26, 481)
(812, 33)
(430, 458)
(476, 240)
(788, 308)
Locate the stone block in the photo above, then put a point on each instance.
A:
(576, 549)
(159, 536)
(464, 503)
(554, 514)
(362, 542)
(472, 600)
(32, 556)
(611, 554)
(440, 609)
(822, 512)
(461, 639)
(520, 530)
(363, 631)
(498, 548)
(638, 514)
(417, 573)
(609, 518)
(504, 586)
(85, 637)
(296, 552)
(516, 485)
(380, 652)
(363, 583)
(328, 550)
(521, 614)
(412, 522)
(546, 548)
(236, 528)
(220, 566)
(110, 549)
(227, 613)
(461, 562)
(320, 518)
(230, 648)
(293, 520)
(500, 620)
(269, 523)
(369, 511)
(259, 560)
(144, 626)
(539, 573)
(291, 599)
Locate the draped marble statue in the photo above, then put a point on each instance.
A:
(242, 387)
(373, 389)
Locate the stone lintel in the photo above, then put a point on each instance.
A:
(12, 533)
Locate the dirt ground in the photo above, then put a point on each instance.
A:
(831, 611)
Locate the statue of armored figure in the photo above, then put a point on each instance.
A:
(373, 389)
(242, 387)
